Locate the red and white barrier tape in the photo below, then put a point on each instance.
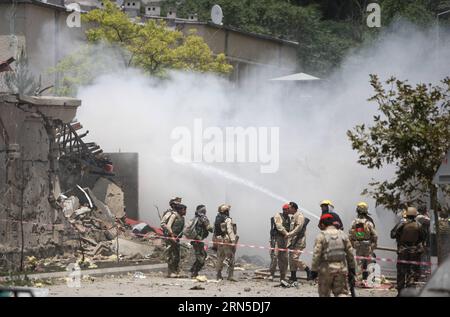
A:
(242, 245)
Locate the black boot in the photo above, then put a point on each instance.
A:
(308, 273)
(365, 275)
(293, 277)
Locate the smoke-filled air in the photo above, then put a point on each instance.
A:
(316, 160)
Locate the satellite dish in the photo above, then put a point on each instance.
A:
(216, 14)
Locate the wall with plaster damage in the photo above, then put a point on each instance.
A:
(30, 219)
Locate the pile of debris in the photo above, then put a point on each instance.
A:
(97, 221)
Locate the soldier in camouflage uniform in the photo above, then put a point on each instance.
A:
(410, 237)
(172, 203)
(203, 227)
(332, 259)
(297, 243)
(363, 237)
(282, 225)
(225, 234)
(173, 230)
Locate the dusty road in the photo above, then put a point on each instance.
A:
(156, 284)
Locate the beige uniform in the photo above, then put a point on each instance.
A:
(282, 225)
(298, 221)
(225, 251)
(332, 252)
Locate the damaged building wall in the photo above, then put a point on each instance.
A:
(126, 170)
(31, 221)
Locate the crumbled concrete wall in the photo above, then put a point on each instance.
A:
(30, 217)
(111, 195)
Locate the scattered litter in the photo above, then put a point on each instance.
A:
(139, 275)
(201, 278)
(247, 289)
(197, 287)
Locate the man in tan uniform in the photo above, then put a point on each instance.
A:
(225, 234)
(332, 259)
(297, 242)
(173, 230)
(282, 226)
(363, 237)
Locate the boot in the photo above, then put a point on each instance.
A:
(219, 276)
(293, 277)
(365, 275)
(308, 273)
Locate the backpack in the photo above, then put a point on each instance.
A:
(335, 247)
(166, 216)
(190, 231)
(361, 230)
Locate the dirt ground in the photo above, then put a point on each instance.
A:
(156, 284)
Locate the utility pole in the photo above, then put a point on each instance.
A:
(438, 32)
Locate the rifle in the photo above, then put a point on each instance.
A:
(300, 234)
(159, 214)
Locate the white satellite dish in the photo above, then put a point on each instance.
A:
(216, 14)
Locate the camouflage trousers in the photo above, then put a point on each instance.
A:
(365, 250)
(273, 258)
(200, 256)
(332, 282)
(407, 274)
(294, 257)
(173, 256)
(282, 256)
(225, 252)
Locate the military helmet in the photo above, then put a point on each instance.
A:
(175, 201)
(362, 208)
(326, 202)
(224, 208)
(411, 212)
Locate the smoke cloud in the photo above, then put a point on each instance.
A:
(129, 112)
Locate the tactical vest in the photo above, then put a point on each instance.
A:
(178, 225)
(361, 230)
(335, 247)
(201, 229)
(286, 222)
(410, 233)
(220, 218)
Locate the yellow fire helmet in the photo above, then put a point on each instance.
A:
(326, 202)
(362, 207)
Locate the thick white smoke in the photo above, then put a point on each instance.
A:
(130, 112)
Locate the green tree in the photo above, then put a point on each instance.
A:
(21, 80)
(149, 46)
(411, 133)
